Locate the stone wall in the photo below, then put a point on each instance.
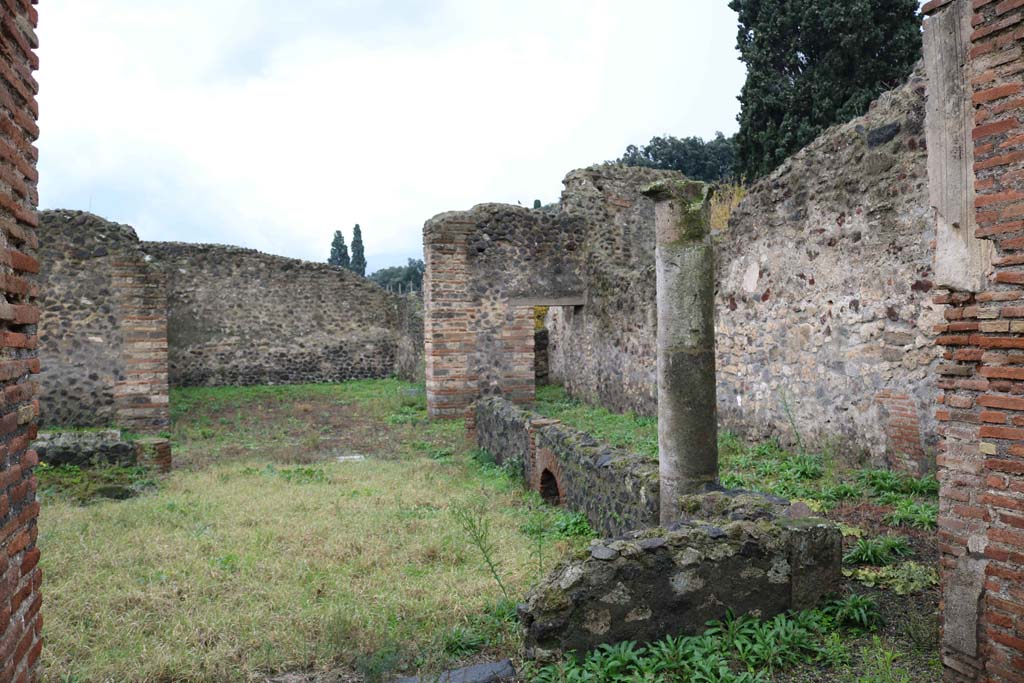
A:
(981, 411)
(237, 316)
(616, 490)
(103, 332)
(656, 582)
(823, 314)
(20, 600)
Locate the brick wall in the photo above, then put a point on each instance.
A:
(981, 523)
(103, 331)
(20, 622)
(486, 269)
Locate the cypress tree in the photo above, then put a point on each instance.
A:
(339, 252)
(812, 64)
(358, 264)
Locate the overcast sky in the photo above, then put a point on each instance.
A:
(271, 123)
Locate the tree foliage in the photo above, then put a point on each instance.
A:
(339, 252)
(358, 264)
(815, 63)
(710, 161)
(401, 278)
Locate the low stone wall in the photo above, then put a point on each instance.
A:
(238, 316)
(100, 448)
(659, 582)
(616, 490)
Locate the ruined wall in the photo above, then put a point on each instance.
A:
(485, 271)
(981, 516)
(823, 310)
(237, 317)
(103, 332)
(616, 490)
(488, 267)
(20, 600)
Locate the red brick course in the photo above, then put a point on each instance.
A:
(20, 576)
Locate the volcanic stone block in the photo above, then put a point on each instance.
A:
(658, 582)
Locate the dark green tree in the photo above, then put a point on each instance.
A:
(812, 64)
(710, 161)
(358, 265)
(401, 278)
(339, 252)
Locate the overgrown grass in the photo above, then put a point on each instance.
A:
(636, 433)
(815, 478)
(254, 558)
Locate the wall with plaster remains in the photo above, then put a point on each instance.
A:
(237, 316)
(103, 332)
(824, 315)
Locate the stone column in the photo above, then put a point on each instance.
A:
(687, 411)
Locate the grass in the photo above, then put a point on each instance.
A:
(817, 479)
(261, 553)
(897, 510)
(635, 433)
(95, 483)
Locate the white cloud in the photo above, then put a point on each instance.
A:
(236, 121)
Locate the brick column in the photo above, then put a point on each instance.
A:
(448, 311)
(981, 522)
(141, 396)
(20, 622)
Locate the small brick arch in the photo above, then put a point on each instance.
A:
(546, 477)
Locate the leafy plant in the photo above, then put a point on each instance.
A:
(571, 524)
(917, 515)
(841, 491)
(902, 579)
(878, 551)
(855, 612)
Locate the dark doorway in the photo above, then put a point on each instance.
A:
(549, 488)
